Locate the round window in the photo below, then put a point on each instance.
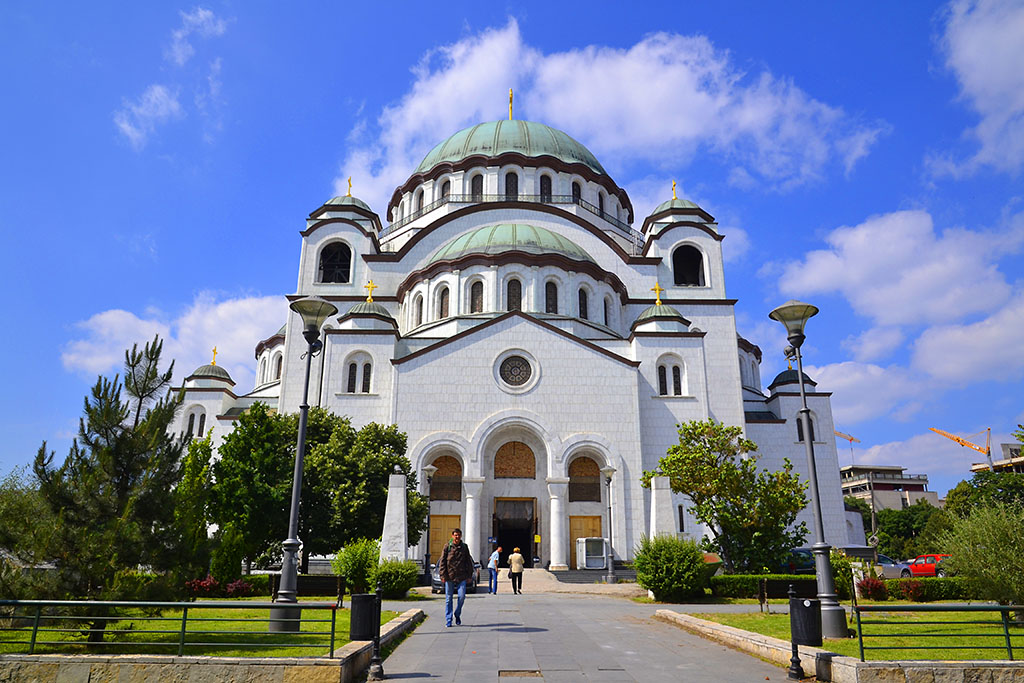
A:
(515, 371)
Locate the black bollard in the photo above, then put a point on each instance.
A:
(795, 671)
(376, 672)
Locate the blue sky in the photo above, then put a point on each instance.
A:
(159, 161)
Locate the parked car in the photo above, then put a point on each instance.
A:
(928, 565)
(436, 586)
(799, 561)
(892, 569)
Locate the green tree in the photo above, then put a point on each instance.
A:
(987, 549)
(985, 488)
(900, 531)
(26, 522)
(113, 497)
(750, 512)
(191, 508)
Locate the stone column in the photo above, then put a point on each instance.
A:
(394, 543)
(472, 488)
(662, 519)
(558, 489)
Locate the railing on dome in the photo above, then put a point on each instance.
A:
(635, 238)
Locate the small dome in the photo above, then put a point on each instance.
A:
(789, 377)
(497, 239)
(674, 204)
(345, 200)
(210, 371)
(368, 308)
(528, 138)
(659, 311)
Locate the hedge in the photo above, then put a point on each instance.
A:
(932, 588)
(745, 585)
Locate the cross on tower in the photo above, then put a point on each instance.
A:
(657, 289)
(369, 287)
(673, 189)
(214, 361)
(349, 194)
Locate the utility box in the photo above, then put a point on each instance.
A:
(591, 553)
(363, 617)
(805, 621)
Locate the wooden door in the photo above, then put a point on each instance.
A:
(581, 526)
(441, 527)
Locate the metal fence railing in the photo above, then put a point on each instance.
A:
(61, 624)
(955, 639)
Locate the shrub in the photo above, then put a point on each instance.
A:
(357, 562)
(842, 573)
(203, 588)
(909, 589)
(872, 588)
(746, 585)
(671, 568)
(130, 584)
(396, 577)
(987, 549)
(930, 589)
(239, 589)
(260, 583)
(226, 562)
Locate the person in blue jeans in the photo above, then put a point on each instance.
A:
(492, 567)
(455, 569)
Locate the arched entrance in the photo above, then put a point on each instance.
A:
(515, 519)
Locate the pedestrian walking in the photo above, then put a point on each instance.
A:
(515, 571)
(492, 569)
(455, 569)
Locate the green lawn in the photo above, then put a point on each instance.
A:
(213, 629)
(909, 630)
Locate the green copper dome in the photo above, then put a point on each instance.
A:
(211, 370)
(346, 200)
(790, 377)
(497, 239)
(659, 311)
(674, 204)
(368, 308)
(497, 137)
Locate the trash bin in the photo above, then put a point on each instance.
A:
(805, 621)
(363, 617)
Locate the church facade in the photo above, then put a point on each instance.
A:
(528, 338)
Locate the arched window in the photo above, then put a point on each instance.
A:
(677, 381)
(278, 363)
(515, 460)
(335, 262)
(367, 369)
(442, 303)
(417, 309)
(800, 428)
(606, 307)
(419, 201)
(577, 193)
(753, 374)
(545, 188)
(476, 297)
(551, 298)
(446, 484)
(191, 425)
(514, 295)
(662, 381)
(688, 266)
(583, 304)
(202, 425)
(584, 480)
(446, 188)
(476, 188)
(262, 374)
(600, 204)
(351, 385)
(401, 213)
(511, 187)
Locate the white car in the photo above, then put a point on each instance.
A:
(890, 569)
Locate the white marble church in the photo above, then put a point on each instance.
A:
(525, 335)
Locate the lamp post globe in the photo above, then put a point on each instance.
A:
(314, 311)
(428, 475)
(794, 316)
(607, 471)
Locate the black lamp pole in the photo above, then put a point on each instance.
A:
(428, 472)
(608, 472)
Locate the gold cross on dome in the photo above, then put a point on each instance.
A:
(349, 193)
(214, 361)
(673, 189)
(510, 104)
(657, 289)
(369, 287)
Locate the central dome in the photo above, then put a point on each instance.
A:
(528, 138)
(497, 239)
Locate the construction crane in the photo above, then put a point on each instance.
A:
(987, 449)
(851, 439)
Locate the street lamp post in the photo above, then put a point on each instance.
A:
(608, 471)
(428, 473)
(794, 316)
(314, 311)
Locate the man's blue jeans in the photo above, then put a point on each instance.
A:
(492, 585)
(451, 587)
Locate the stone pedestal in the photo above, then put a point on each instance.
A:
(663, 520)
(394, 541)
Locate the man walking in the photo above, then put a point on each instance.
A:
(492, 568)
(455, 569)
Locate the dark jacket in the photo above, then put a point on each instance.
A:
(456, 564)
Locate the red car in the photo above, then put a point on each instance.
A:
(928, 565)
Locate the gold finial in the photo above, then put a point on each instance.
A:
(214, 361)
(369, 287)
(657, 289)
(510, 104)
(789, 364)
(673, 189)
(349, 193)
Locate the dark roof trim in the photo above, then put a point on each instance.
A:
(542, 161)
(348, 221)
(513, 256)
(391, 333)
(748, 347)
(389, 320)
(465, 333)
(341, 208)
(696, 211)
(342, 298)
(695, 335)
(659, 317)
(268, 343)
(681, 224)
(686, 302)
(763, 421)
(493, 206)
(219, 379)
(205, 390)
(797, 393)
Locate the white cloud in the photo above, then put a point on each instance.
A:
(989, 349)
(232, 325)
(862, 391)
(199, 21)
(894, 269)
(663, 101)
(983, 44)
(874, 344)
(138, 120)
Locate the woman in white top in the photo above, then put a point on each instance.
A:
(515, 571)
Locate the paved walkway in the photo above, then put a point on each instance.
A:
(564, 637)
